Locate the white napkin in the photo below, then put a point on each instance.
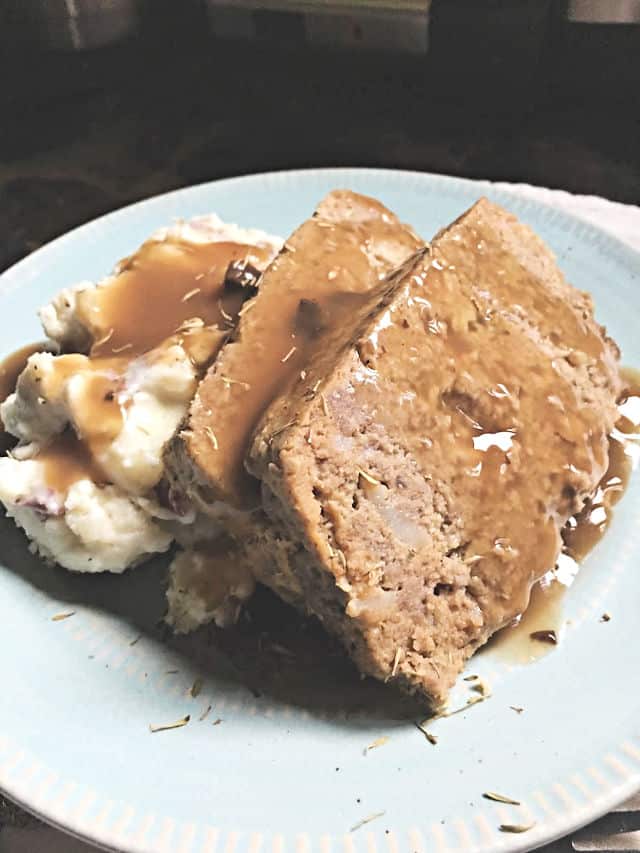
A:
(621, 220)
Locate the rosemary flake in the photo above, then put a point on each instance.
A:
(516, 827)
(499, 798)
(368, 477)
(288, 355)
(380, 741)
(606, 617)
(225, 314)
(428, 735)
(203, 716)
(190, 324)
(283, 428)
(60, 616)
(229, 382)
(190, 294)
(473, 700)
(163, 727)
(366, 820)
(196, 688)
(212, 437)
(135, 640)
(516, 708)
(217, 722)
(396, 662)
(106, 338)
(471, 678)
(433, 667)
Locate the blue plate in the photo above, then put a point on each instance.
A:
(288, 768)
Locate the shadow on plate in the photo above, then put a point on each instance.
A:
(273, 651)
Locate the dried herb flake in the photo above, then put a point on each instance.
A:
(500, 798)
(163, 727)
(190, 294)
(368, 478)
(516, 827)
(366, 820)
(286, 358)
(430, 737)
(396, 661)
(474, 700)
(212, 437)
(60, 616)
(229, 381)
(196, 687)
(376, 743)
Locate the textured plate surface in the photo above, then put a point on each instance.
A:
(288, 770)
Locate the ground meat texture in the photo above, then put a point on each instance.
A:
(419, 476)
(326, 272)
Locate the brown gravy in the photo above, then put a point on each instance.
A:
(161, 286)
(67, 460)
(153, 299)
(514, 644)
(468, 404)
(286, 344)
(325, 274)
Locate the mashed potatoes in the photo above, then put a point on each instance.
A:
(84, 481)
(87, 529)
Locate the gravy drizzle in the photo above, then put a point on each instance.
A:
(514, 644)
(168, 292)
(299, 312)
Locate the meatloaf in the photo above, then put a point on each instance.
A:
(418, 475)
(323, 273)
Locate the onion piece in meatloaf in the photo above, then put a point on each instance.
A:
(417, 479)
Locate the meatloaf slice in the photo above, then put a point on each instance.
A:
(419, 490)
(323, 273)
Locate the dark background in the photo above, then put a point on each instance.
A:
(509, 90)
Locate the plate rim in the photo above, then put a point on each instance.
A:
(556, 827)
(515, 191)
